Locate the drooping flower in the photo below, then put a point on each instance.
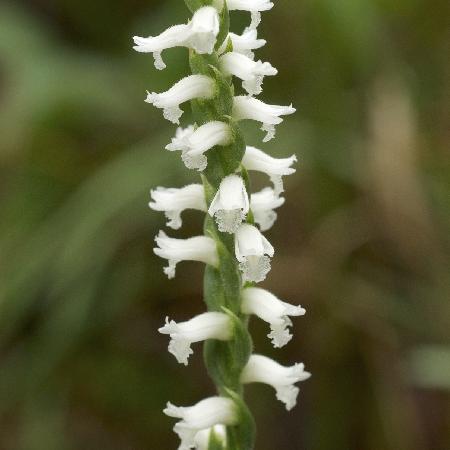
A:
(263, 205)
(272, 310)
(230, 204)
(269, 115)
(199, 34)
(203, 437)
(188, 88)
(173, 201)
(253, 6)
(209, 325)
(244, 43)
(276, 168)
(203, 415)
(193, 143)
(251, 249)
(261, 369)
(251, 72)
(199, 248)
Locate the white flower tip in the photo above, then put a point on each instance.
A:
(173, 114)
(270, 131)
(181, 349)
(255, 268)
(152, 98)
(288, 395)
(173, 411)
(159, 63)
(170, 327)
(229, 221)
(194, 161)
(279, 335)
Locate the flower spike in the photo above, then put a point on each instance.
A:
(188, 88)
(200, 34)
(209, 325)
(202, 416)
(251, 249)
(193, 143)
(230, 204)
(269, 115)
(261, 369)
(199, 248)
(275, 312)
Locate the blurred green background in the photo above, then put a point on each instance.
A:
(362, 243)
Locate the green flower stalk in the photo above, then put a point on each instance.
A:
(232, 246)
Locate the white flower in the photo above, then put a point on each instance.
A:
(276, 168)
(209, 325)
(261, 369)
(188, 88)
(173, 201)
(251, 248)
(252, 73)
(202, 437)
(245, 43)
(199, 248)
(253, 6)
(203, 415)
(230, 204)
(193, 143)
(269, 308)
(269, 115)
(199, 34)
(263, 204)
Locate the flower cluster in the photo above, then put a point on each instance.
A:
(232, 207)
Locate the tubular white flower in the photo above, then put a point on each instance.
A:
(209, 325)
(272, 310)
(251, 248)
(253, 6)
(173, 201)
(201, 439)
(252, 73)
(261, 369)
(199, 34)
(199, 248)
(188, 88)
(269, 115)
(230, 204)
(193, 143)
(276, 168)
(263, 204)
(203, 415)
(245, 43)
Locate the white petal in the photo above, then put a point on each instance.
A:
(194, 143)
(199, 248)
(210, 325)
(200, 34)
(173, 202)
(255, 159)
(245, 43)
(230, 204)
(188, 88)
(261, 369)
(263, 204)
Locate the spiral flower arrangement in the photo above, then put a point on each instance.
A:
(236, 253)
